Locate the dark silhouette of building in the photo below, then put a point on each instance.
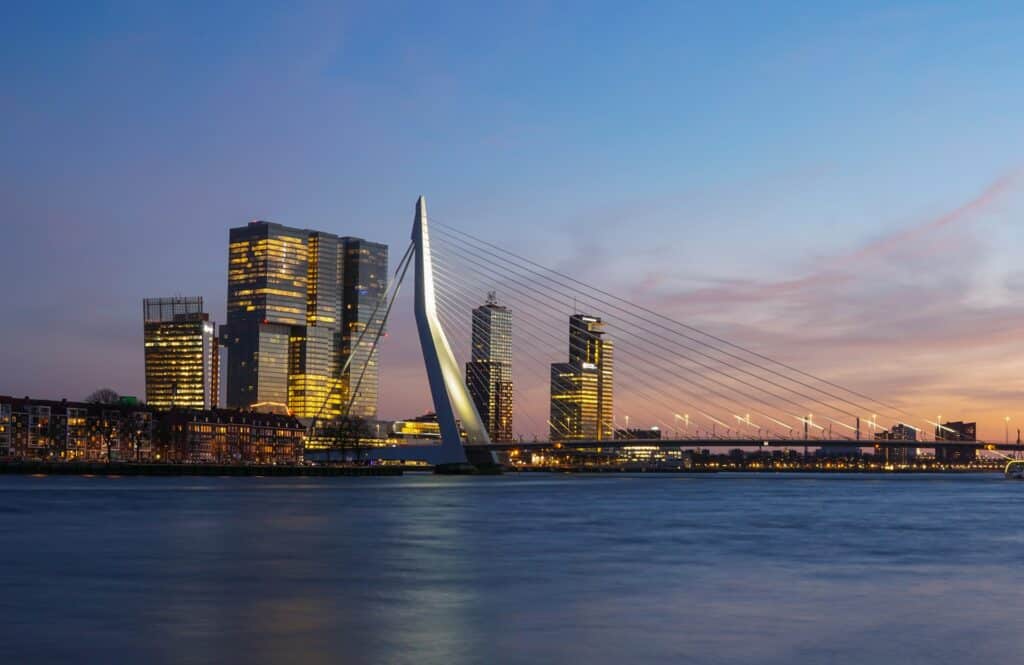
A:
(896, 454)
(956, 431)
(638, 433)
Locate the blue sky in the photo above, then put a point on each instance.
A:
(703, 143)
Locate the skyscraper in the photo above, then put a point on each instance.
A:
(581, 389)
(364, 279)
(313, 347)
(489, 370)
(267, 290)
(294, 296)
(181, 354)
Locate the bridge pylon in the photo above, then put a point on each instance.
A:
(452, 402)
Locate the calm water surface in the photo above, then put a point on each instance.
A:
(516, 569)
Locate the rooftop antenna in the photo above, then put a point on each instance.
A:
(492, 297)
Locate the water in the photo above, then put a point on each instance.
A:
(524, 568)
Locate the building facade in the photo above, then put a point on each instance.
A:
(896, 454)
(267, 273)
(364, 281)
(297, 301)
(489, 370)
(181, 353)
(49, 430)
(956, 431)
(52, 430)
(582, 389)
(229, 436)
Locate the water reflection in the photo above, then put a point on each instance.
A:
(518, 569)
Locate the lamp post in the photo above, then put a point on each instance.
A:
(807, 433)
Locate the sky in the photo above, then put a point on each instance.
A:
(838, 185)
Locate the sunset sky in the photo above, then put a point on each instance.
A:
(838, 187)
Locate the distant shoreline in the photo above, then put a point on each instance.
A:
(141, 469)
(252, 470)
(859, 472)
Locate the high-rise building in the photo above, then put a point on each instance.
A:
(897, 454)
(582, 389)
(294, 295)
(956, 431)
(489, 370)
(181, 354)
(363, 267)
(267, 289)
(313, 388)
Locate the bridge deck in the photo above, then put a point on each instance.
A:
(743, 443)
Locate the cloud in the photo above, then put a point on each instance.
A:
(923, 316)
(921, 241)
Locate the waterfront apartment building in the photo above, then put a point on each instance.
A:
(181, 354)
(582, 389)
(489, 370)
(229, 436)
(59, 430)
(127, 431)
(297, 302)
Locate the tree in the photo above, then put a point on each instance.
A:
(349, 432)
(164, 440)
(103, 396)
(132, 429)
(104, 429)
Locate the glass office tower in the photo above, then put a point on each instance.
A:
(489, 370)
(294, 295)
(364, 280)
(181, 354)
(267, 285)
(313, 390)
(581, 389)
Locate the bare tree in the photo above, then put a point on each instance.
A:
(105, 429)
(132, 426)
(349, 433)
(103, 396)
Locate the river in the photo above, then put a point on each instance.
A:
(523, 568)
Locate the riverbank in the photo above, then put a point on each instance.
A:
(133, 469)
(701, 470)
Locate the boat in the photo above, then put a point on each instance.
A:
(1014, 469)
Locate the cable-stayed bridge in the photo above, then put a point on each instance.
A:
(583, 365)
